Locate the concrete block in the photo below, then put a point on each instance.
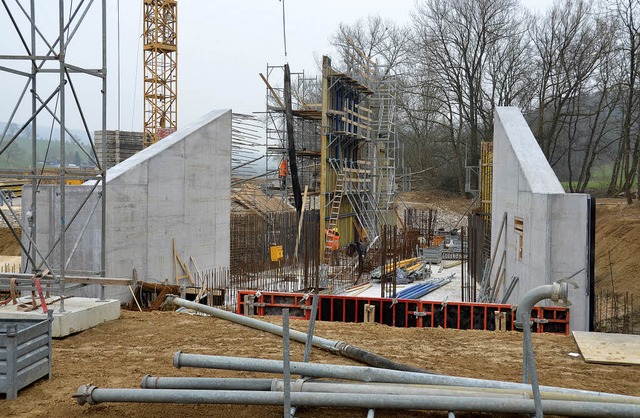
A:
(80, 314)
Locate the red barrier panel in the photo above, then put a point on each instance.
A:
(403, 313)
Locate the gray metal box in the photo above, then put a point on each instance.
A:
(25, 353)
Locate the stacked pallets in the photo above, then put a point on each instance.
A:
(120, 145)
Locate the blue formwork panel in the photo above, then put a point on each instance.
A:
(25, 353)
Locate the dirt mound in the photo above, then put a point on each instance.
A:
(8, 244)
(617, 247)
(451, 208)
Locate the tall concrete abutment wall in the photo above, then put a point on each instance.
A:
(177, 189)
(546, 235)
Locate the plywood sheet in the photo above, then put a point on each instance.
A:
(599, 347)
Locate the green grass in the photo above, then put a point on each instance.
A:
(599, 181)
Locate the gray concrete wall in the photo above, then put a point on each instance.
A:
(555, 224)
(178, 188)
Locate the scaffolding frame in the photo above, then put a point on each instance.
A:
(306, 112)
(346, 148)
(54, 61)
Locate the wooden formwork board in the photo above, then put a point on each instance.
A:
(600, 347)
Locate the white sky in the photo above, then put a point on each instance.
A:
(222, 48)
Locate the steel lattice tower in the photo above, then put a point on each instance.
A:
(160, 35)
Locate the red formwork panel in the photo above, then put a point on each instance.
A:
(272, 303)
(405, 312)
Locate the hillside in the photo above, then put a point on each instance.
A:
(617, 247)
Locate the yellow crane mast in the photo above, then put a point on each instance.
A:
(160, 36)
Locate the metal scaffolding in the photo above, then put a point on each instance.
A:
(306, 112)
(52, 66)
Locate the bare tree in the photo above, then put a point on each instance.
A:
(627, 163)
(378, 42)
(569, 51)
(455, 42)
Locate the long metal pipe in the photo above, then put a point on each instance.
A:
(93, 395)
(302, 385)
(217, 383)
(359, 373)
(156, 382)
(338, 347)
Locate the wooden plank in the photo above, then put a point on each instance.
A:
(177, 261)
(273, 92)
(304, 203)
(107, 281)
(358, 115)
(356, 170)
(599, 347)
(362, 108)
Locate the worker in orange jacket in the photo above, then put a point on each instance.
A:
(282, 171)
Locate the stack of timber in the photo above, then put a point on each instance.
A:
(120, 145)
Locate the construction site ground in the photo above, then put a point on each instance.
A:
(118, 354)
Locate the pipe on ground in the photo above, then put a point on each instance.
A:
(359, 373)
(302, 385)
(217, 383)
(93, 395)
(338, 347)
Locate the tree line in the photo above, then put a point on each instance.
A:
(573, 71)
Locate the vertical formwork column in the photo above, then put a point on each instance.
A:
(324, 132)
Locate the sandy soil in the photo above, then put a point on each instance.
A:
(618, 237)
(8, 243)
(119, 353)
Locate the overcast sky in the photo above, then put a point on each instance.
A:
(222, 48)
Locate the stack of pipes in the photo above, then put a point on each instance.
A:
(382, 389)
(379, 388)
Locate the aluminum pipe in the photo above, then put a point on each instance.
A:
(302, 385)
(338, 347)
(555, 291)
(93, 395)
(155, 382)
(359, 373)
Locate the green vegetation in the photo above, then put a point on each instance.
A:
(599, 180)
(19, 155)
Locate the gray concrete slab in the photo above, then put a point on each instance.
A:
(80, 314)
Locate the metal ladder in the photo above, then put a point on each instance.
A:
(334, 213)
(360, 197)
(386, 134)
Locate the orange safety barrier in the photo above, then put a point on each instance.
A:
(405, 313)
